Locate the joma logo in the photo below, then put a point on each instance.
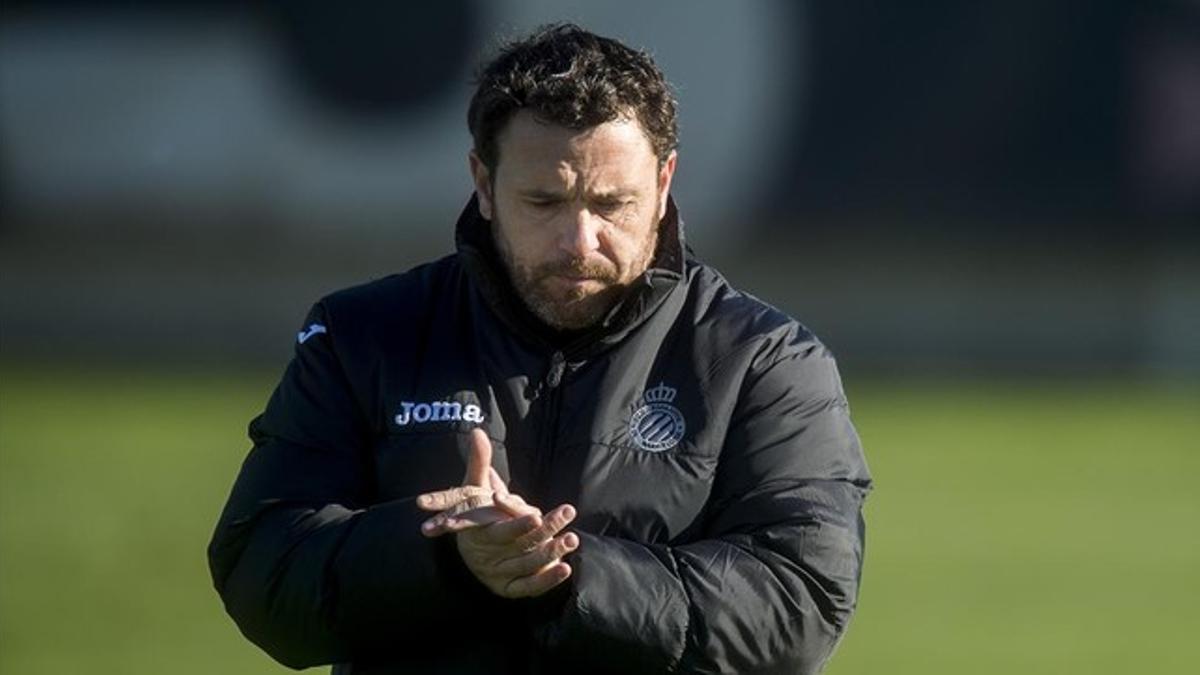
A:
(438, 411)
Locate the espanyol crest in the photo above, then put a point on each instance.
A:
(657, 425)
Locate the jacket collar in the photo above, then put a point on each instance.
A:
(481, 260)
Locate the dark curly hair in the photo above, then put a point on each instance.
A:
(568, 76)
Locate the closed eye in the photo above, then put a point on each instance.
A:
(610, 205)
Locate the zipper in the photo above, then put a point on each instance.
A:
(548, 391)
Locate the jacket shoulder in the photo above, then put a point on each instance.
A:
(404, 293)
(367, 321)
(735, 321)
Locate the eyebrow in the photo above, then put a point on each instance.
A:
(536, 193)
(619, 194)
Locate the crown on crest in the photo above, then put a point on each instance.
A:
(660, 394)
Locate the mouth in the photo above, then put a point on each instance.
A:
(568, 288)
(577, 281)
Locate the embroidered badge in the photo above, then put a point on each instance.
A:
(657, 425)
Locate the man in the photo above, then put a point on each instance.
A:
(570, 447)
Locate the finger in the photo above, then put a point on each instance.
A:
(515, 505)
(496, 482)
(468, 505)
(479, 459)
(457, 518)
(506, 531)
(444, 499)
(474, 519)
(552, 524)
(445, 523)
(539, 582)
(545, 554)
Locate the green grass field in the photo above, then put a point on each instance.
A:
(1016, 527)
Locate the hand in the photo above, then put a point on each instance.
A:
(520, 557)
(507, 544)
(483, 497)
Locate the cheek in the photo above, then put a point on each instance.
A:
(630, 240)
(527, 243)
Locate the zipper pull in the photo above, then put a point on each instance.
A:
(558, 364)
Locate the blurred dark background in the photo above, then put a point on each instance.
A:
(940, 187)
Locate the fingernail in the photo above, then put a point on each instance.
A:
(424, 500)
(571, 540)
(568, 512)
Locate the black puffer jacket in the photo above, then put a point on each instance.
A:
(702, 435)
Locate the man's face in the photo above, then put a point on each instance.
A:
(574, 213)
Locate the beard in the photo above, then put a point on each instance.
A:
(567, 309)
(574, 307)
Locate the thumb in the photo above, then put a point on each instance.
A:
(497, 483)
(479, 459)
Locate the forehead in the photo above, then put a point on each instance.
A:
(533, 150)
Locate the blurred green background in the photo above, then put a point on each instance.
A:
(1017, 527)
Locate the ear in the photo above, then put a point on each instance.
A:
(665, 174)
(483, 184)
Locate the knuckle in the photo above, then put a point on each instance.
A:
(519, 587)
(541, 557)
(555, 523)
(511, 588)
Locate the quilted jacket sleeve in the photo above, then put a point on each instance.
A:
(772, 582)
(308, 566)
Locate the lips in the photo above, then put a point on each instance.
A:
(582, 270)
(577, 282)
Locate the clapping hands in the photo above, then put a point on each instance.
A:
(509, 545)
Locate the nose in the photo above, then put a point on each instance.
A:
(581, 233)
